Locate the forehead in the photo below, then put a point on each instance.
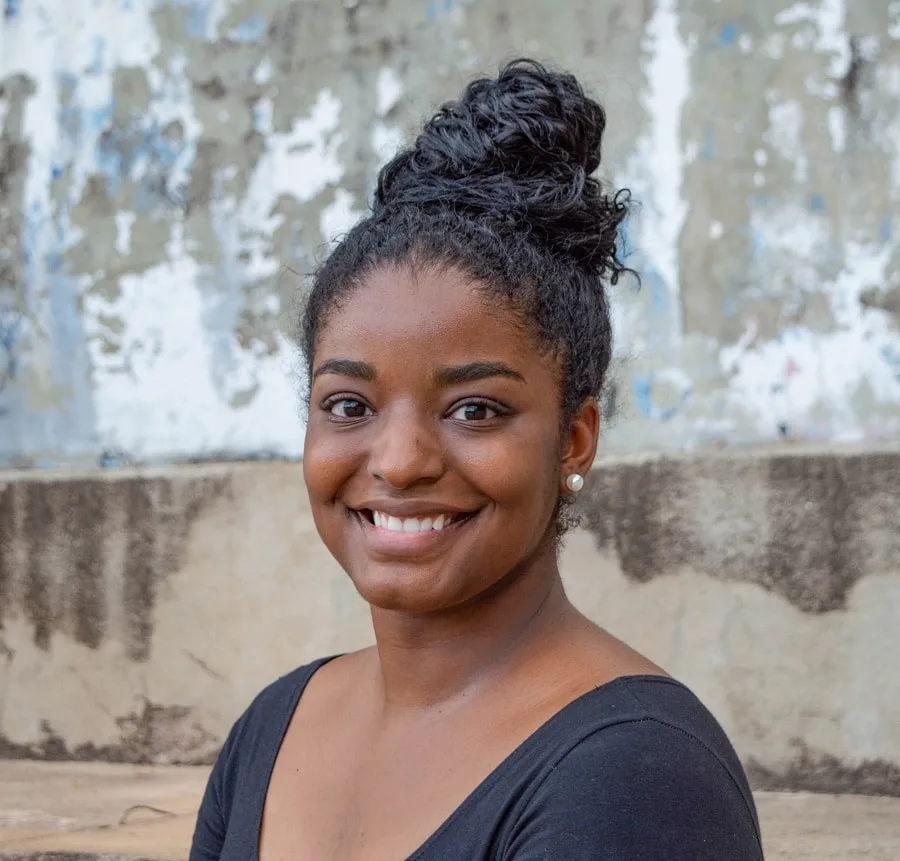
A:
(425, 315)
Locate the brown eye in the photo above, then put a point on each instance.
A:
(348, 408)
(474, 413)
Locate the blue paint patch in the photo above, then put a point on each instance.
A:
(109, 161)
(67, 80)
(757, 244)
(643, 386)
(886, 228)
(127, 5)
(728, 34)
(71, 421)
(56, 172)
(710, 148)
(148, 153)
(197, 26)
(10, 327)
(891, 355)
(626, 247)
(729, 307)
(816, 203)
(251, 31)
(98, 49)
(11, 8)
(793, 334)
(74, 121)
(97, 119)
(643, 394)
(69, 120)
(437, 8)
(659, 294)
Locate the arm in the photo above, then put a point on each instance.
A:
(640, 790)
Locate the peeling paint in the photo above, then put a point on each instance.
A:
(339, 216)
(174, 159)
(157, 395)
(785, 135)
(818, 372)
(661, 153)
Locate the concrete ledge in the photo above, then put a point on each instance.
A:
(76, 812)
(141, 610)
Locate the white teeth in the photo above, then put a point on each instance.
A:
(410, 524)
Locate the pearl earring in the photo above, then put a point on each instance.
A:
(574, 482)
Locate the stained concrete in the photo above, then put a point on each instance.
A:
(59, 539)
(811, 525)
(92, 812)
(767, 585)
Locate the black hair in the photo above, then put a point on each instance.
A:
(499, 185)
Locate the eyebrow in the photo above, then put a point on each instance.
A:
(452, 375)
(346, 368)
(474, 371)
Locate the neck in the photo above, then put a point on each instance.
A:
(437, 661)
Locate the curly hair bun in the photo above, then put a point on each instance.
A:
(517, 150)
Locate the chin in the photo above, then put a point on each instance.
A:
(411, 589)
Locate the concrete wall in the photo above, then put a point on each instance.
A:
(140, 611)
(163, 161)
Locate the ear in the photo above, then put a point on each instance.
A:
(580, 443)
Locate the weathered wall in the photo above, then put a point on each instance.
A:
(141, 611)
(163, 161)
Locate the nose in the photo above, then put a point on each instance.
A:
(406, 450)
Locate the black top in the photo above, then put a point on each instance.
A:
(635, 770)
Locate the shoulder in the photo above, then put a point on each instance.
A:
(247, 755)
(268, 713)
(658, 780)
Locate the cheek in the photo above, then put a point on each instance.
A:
(327, 463)
(518, 472)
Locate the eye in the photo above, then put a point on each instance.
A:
(474, 412)
(348, 408)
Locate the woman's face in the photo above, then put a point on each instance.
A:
(433, 456)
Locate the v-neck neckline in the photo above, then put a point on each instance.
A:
(481, 788)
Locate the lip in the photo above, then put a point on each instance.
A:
(386, 542)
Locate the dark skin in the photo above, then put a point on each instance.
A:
(429, 398)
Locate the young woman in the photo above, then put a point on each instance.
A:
(457, 341)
